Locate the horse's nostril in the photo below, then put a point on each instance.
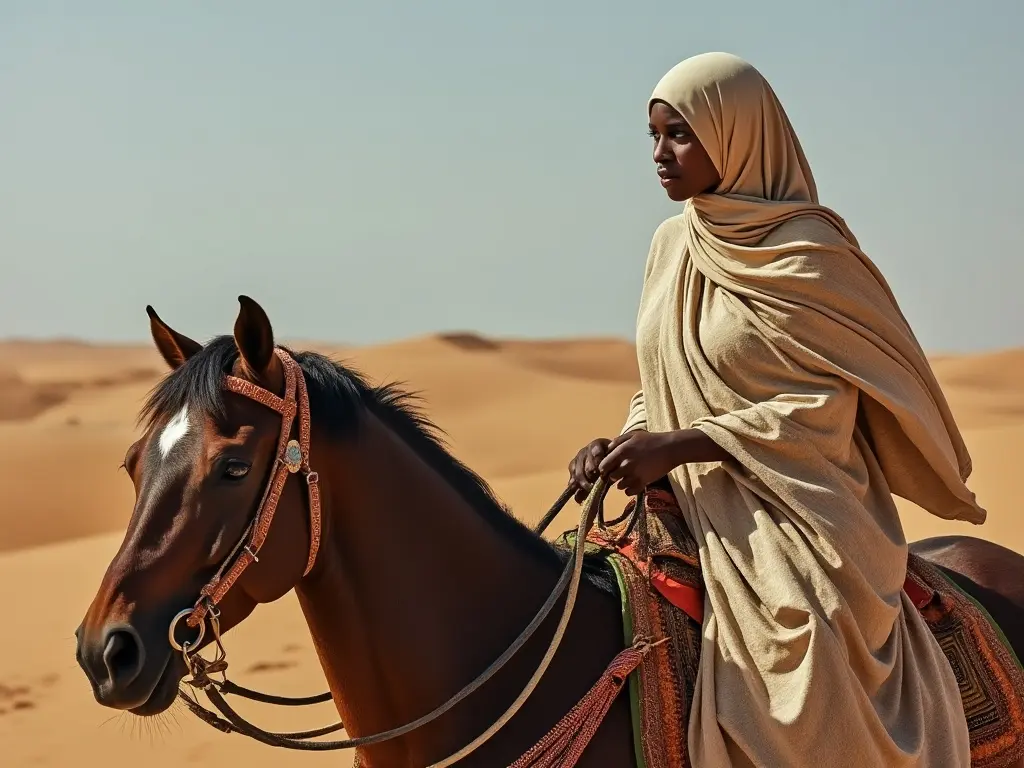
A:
(123, 656)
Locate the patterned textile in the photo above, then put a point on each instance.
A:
(662, 687)
(660, 551)
(989, 674)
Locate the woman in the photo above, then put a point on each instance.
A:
(786, 399)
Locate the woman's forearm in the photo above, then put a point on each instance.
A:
(691, 446)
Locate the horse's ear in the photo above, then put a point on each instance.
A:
(174, 347)
(254, 337)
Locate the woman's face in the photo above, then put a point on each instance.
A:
(684, 167)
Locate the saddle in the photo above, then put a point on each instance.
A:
(656, 562)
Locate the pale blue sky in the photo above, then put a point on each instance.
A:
(370, 170)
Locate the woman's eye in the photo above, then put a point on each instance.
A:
(236, 470)
(678, 134)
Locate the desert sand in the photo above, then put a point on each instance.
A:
(67, 415)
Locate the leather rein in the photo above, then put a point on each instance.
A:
(293, 457)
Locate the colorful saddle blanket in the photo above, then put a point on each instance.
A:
(663, 599)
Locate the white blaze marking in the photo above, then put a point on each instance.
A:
(176, 429)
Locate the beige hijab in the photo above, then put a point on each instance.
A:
(764, 325)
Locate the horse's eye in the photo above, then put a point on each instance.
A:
(236, 469)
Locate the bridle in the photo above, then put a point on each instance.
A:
(293, 457)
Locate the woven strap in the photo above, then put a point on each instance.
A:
(564, 744)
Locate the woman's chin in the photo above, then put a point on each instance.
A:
(676, 191)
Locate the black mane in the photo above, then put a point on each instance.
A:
(338, 399)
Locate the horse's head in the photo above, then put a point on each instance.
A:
(200, 471)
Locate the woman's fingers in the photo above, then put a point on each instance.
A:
(584, 468)
(612, 462)
(593, 459)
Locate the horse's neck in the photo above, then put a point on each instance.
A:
(414, 596)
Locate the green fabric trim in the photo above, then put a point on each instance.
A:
(634, 677)
(568, 540)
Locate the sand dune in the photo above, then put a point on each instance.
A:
(516, 411)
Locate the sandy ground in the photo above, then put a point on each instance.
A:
(515, 411)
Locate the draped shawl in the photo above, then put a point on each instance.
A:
(764, 325)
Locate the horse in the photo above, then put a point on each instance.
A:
(411, 575)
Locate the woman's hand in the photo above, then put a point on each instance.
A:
(583, 467)
(638, 458)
